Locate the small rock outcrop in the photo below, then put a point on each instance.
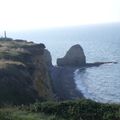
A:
(74, 57)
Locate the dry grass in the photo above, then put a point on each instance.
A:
(4, 63)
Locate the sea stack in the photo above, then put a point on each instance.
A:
(74, 57)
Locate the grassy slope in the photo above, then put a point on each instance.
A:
(66, 110)
(11, 51)
(79, 110)
(16, 114)
(15, 79)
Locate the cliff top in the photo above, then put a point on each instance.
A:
(13, 51)
(23, 71)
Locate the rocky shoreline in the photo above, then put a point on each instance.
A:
(62, 76)
(63, 83)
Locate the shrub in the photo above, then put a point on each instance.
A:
(79, 110)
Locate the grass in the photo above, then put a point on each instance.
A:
(79, 110)
(66, 110)
(16, 114)
(4, 63)
(12, 48)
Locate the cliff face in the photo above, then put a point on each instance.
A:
(42, 82)
(24, 75)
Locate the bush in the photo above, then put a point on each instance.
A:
(5, 115)
(79, 110)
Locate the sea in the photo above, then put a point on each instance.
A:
(101, 43)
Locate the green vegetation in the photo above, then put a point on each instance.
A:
(16, 114)
(13, 50)
(15, 78)
(67, 110)
(79, 110)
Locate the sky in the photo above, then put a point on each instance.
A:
(37, 14)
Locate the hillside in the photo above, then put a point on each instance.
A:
(65, 110)
(31, 88)
(24, 72)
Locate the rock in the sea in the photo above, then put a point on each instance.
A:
(74, 57)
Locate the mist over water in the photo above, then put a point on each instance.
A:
(100, 43)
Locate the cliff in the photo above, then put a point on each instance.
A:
(24, 75)
(27, 73)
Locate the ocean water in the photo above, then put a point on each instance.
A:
(100, 43)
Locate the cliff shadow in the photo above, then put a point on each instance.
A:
(63, 83)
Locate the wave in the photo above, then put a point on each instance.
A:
(89, 91)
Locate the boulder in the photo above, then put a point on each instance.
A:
(74, 57)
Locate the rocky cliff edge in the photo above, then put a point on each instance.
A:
(24, 75)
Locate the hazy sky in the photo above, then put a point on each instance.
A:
(33, 14)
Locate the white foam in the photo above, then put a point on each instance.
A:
(86, 90)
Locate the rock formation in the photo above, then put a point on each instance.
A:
(74, 57)
(24, 75)
(42, 82)
(27, 73)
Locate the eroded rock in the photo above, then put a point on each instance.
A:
(74, 57)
